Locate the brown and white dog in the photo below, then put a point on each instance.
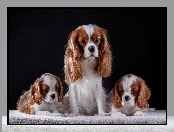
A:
(43, 96)
(87, 59)
(129, 96)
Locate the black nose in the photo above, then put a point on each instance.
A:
(127, 97)
(52, 96)
(91, 49)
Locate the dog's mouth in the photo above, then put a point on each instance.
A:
(127, 103)
(51, 100)
(90, 57)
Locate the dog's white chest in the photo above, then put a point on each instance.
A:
(129, 110)
(84, 92)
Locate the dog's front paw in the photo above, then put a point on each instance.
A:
(138, 113)
(68, 115)
(45, 113)
(76, 114)
(117, 114)
(55, 111)
(55, 114)
(103, 114)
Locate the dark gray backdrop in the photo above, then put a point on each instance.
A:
(37, 38)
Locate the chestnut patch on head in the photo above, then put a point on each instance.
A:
(59, 88)
(44, 89)
(116, 94)
(120, 89)
(135, 89)
(96, 38)
(81, 37)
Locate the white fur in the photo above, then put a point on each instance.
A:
(87, 53)
(51, 82)
(86, 95)
(90, 30)
(128, 107)
(127, 82)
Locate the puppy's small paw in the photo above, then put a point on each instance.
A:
(117, 114)
(138, 113)
(68, 115)
(55, 111)
(61, 110)
(107, 114)
(55, 114)
(45, 113)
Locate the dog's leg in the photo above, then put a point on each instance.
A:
(116, 112)
(100, 99)
(138, 113)
(73, 100)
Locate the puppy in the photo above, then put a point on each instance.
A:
(42, 97)
(130, 96)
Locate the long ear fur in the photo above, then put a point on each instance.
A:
(144, 94)
(73, 58)
(116, 97)
(105, 56)
(60, 89)
(35, 91)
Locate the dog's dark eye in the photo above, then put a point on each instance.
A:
(46, 90)
(56, 87)
(82, 42)
(133, 91)
(121, 91)
(97, 40)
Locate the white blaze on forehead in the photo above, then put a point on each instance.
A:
(50, 80)
(128, 80)
(89, 30)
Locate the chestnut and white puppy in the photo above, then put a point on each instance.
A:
(43, 96)
(130, 96)
(87, 60)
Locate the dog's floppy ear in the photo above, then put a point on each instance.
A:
(73, 58)
(105, 56)
(59, 89)
(35, 91)
(143, 94)
(116, 96)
